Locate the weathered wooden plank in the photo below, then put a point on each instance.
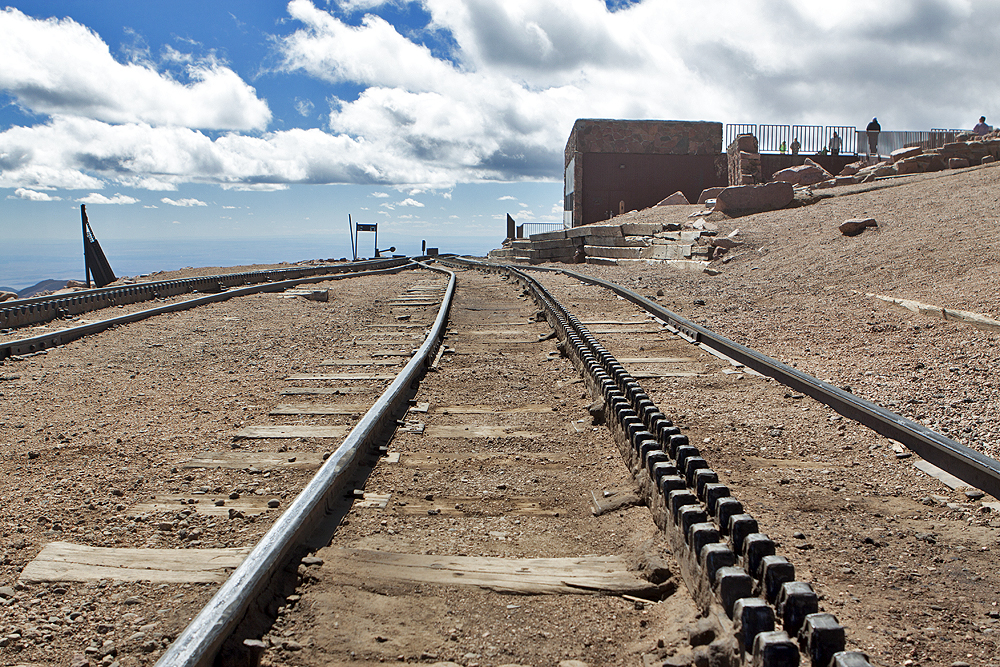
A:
(942, 476)
(425, 460)
(476, 506)
(489, 409)
(334, 391)
(320, 409)
(241, 460)
(292, 432)
(528, 576)
(205, 504)
(62, 561)
(342, 376)
(474, 431)
(360, 362)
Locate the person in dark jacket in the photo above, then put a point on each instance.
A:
(873, 129)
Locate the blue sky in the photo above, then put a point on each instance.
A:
(275, 120)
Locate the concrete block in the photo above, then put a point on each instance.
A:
(796, 600)
(775, 571)
(775, 649)
(709, 193)
(821, 637)
(731, 584)
(612, 252)
(656, 456)
(668, 251)
(554, 243)
(594, 230)
(548, 236)
(615, 241)
(521, 244)
(641, 228)
(755, 547)
(751, 616)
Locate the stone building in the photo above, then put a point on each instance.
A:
(615, 166)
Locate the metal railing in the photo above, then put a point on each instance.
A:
(528, 228)
(889, 141)
(812, 138)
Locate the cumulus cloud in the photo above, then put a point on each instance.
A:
(380, 195)
(411, 202)
(183, 202)
(507, 198)
(487, 90)
(58, 66)
(32, 195)
(98, 198)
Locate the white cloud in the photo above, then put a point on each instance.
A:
(150, 206)
(183, 202)
(98, 198)
(380, 195)
(411, 202)
(60, 67)
(32, 195)
(506, 198)
(494, 101)
(388, 206)
(304, 107)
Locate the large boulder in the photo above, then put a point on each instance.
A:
(804, 174)
(903, 153)
(754, 198)
(852, 168)
(676, 199)
(7, 296)
(709, 193)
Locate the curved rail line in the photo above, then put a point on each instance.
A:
(963, 462)
(725, 561)
(202, 640)
(35, 310)
(44, 341)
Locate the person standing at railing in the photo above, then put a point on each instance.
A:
(835, 144)
(873, 129)
(981, 127)
(795, 146)
(782, 147)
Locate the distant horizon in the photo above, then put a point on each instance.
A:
(31, 262)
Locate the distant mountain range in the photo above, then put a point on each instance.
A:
(44, 286)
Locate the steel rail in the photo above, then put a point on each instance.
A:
(678, 486)
(978, 470)
(200, 642)
(35, 310)
(45, 341)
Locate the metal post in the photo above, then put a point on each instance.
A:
(353, 236)
(86, 258)
(376, 240)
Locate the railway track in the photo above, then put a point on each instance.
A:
(487, 494)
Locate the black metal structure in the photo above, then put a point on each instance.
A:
(96, 264)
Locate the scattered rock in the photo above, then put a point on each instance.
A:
(855, 226)
(7, 296)
(273, 502)
(676, 199)
(974, 494)
(754, 198)
(804, 174)
(597, 411)
(903, 153)
(702, 633)
(311, 561)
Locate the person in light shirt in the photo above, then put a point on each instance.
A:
(981, 127)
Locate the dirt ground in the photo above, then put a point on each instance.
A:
(94, 428)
